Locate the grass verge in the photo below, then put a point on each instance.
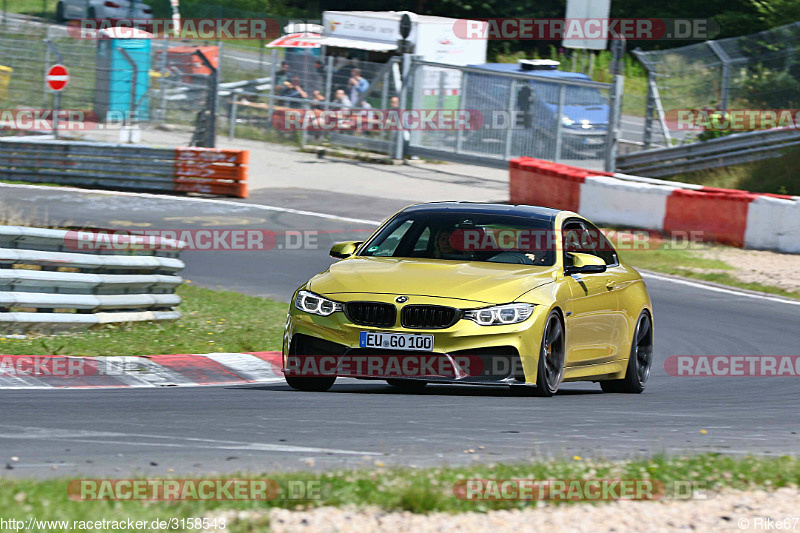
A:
(691, 263)
(777, 176)
(406, 489)
(211, 321)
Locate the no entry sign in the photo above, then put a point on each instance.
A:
(57, 77)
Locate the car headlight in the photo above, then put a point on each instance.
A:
(500, 314)
(316, 304)
(566, 121)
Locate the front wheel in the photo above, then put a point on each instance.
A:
(310, 384)
(640, 361)
(551, 357)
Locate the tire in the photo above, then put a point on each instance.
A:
(640, 361)
(311, 384)
(551, 357)
(407, 385)
(60, 13)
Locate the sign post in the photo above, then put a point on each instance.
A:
(57, 78)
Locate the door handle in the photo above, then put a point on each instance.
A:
(611, 285)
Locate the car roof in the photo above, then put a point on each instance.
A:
(514, 67)
(530, 211)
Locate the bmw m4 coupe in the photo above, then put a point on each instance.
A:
(471, 293)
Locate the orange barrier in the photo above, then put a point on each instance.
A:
(211, 171)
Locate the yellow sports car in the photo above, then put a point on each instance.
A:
(474, 293)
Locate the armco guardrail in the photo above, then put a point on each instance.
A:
(721, 152)
(119, 166)
(738, 218)
(56, 279)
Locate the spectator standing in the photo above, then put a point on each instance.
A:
(356, 86)
(282, 74)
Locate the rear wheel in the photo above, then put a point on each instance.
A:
(640, 361)
(407, 385)
(551, 357)
(310, 384)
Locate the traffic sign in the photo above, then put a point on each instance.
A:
(57, 77)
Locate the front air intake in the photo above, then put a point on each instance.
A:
(429, 316)
(371, 313)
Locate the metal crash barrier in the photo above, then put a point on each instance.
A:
(53, 280)
(118, 166)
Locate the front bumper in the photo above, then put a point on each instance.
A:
(584, 140)
(462, 353)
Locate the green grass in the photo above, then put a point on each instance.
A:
(406, 489)
(778, 176)
(690, 263)
(211, 321)
(666, 260)
(37, 8)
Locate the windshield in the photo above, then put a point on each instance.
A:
(574, 96)
(465, 236)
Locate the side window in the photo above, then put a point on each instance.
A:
(603, 248)
(389, 245)
(571, 234)
(422, 242)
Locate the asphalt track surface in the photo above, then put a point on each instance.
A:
(358, 423)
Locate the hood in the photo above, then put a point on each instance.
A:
(596, 114)
(490, 283)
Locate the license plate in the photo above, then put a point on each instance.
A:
(593, 141)
(396, 341)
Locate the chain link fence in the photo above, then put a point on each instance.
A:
(306, 87)
(560, 117)
(553, 115)
(26, 51)
(758, 71)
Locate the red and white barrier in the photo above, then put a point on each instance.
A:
(177, 370)
(738, 218)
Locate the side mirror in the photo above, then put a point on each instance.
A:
(584, 264)
(340, 250)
